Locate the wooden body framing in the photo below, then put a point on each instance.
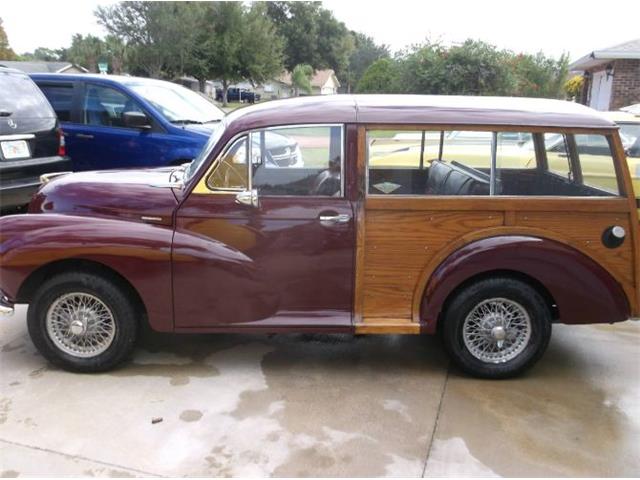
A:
(402, 240)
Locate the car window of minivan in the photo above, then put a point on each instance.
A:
(179, 104)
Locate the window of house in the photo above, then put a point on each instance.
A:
(462, 163)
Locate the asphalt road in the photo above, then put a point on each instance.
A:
(322, 405)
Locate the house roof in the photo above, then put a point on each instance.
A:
(627, 50)
(319, 79)
(418, 109)
(40, 66)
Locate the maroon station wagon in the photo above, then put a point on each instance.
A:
(484, 219)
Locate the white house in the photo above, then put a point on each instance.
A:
(612, 76)
(323, 82)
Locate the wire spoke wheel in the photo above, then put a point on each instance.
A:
(80, 324)
(496, 330)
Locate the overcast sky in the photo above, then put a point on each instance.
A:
(553, 26)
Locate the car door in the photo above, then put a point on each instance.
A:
(100, 138)
(262, 245)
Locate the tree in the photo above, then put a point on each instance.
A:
(6, 53)
(158, 35)
(312, 35)
(473, 68)
(46, 55)
(540, 76)
(365, 52)
(380, 77)
(116, 52)
(240, 44)
(301, 78)
(573, 87)
(86, 51)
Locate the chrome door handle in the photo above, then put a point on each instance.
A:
(84, 135)
(334, 219)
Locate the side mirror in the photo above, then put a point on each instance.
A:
(136, 120)
(248, 198)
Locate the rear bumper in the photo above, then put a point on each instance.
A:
(20, 179)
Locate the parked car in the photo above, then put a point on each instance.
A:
(490, 257)
(31, 142)
(114, 122)
(235, 94)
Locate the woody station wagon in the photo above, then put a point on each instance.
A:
(484, 219)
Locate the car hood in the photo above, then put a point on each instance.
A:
(138, 195)
(200, 128)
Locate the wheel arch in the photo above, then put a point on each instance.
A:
(534, 283)
(577, 289)
(30, 284)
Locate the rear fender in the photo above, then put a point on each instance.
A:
(582, 290)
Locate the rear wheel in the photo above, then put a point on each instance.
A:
(497, 327)
(82, 322)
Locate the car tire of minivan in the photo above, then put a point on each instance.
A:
(82, 322)
(496, 327)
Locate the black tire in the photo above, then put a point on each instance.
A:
(123, 310)
(496, 288)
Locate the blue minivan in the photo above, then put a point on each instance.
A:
(112, 122)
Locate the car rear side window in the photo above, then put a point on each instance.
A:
(61, 98)
(463, 163)
(21, 98)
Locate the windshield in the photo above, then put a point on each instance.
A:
(179, 104)
(205, 152)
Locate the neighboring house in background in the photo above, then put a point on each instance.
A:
(612, 76)
(274, 89)
(44, 67)
(323, 82)
(193, 84)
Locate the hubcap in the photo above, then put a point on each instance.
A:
(496, 330)
(80, 324)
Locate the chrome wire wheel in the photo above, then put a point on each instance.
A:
(80, 324)
(496, 330)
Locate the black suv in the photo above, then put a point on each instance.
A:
(31, 143)
(235, 94)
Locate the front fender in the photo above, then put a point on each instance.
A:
(583, 291)
(139, 252)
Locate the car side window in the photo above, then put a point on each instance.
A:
(61, 99)
(230, 171)
(596, 163)
(105, 105)
(461, 163)
(300, 161)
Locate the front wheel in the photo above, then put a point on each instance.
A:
(82, 322)
(496, 327)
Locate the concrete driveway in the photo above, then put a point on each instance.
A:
(320, 405)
